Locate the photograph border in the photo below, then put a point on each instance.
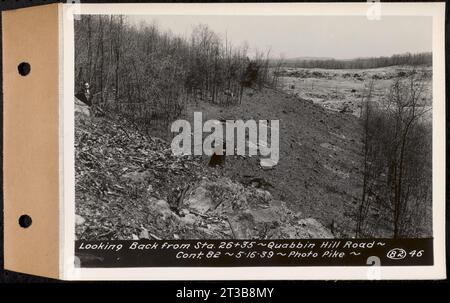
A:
(66, 139)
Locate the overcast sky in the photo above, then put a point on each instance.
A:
(321, 36)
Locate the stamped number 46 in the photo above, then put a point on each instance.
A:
(416, 253)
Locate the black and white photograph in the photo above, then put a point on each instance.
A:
(354, 127)
(254, 142)
(254, 127)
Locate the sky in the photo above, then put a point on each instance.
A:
(340, 37)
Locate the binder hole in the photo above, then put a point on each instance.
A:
(24, 68)
(25, 221)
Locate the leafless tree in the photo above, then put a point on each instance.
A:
(397, 157)
(364, 205)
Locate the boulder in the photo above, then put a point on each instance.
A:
(219, 196)
(243, 225)
(314, 229)
(189, 219)
(82, 108)
(144, 234)
(137, 176)
(161, 208)
(79, 220)
(161, 220)
(248, 213)
(199, 200)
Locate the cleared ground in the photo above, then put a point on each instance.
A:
(319, 171)
(343, 89)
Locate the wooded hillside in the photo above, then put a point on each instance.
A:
(364, 63)
(149, 74)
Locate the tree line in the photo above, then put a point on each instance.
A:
(364, 63)
(149, 75)
(397, 159)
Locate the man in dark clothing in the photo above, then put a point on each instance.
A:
(84, 94)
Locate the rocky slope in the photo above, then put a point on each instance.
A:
(319, 171)
(130, 186)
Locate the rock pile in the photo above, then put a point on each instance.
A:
(130, 186)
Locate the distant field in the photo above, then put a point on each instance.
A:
(342, 89)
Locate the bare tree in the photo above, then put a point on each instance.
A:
(364, 205)
(147, 75)
(397, 157)
(406, 110)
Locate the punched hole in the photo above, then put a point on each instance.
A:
(24, 68)
(25, 221)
